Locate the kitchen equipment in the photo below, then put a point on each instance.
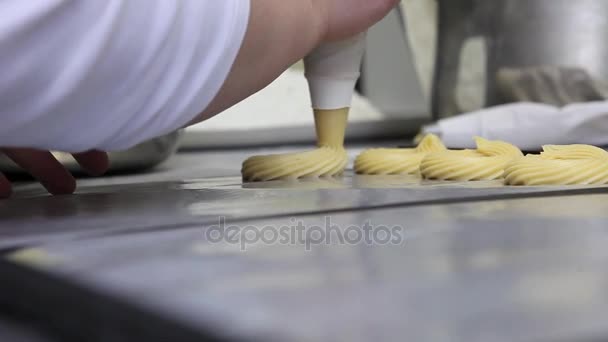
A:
(555, 85)
(142, 156)
(516, 34)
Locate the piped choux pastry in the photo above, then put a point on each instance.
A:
(332, 71)
(560, 165)
(328, 159)
(487, 162)
(397, 161)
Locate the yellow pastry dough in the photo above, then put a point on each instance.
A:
(487, 162)
(329, 159)
(397, 161)
(560, 165)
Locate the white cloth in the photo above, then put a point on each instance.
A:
(529, 126)
(108, 74)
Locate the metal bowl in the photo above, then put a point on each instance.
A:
(143, 156)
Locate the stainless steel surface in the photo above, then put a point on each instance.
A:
(127, 257)
(516, 270)
(123, 208)
(518, 33)
(140, 157)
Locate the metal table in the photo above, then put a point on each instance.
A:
(474, 262)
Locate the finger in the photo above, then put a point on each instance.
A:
(5, 187)
(94, 163)
(45, 168)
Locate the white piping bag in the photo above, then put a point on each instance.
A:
(332, 70)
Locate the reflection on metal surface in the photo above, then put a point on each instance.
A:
(245, 283)
(485, 260)
(367, 182)
(412, 181)
(561, 290)
(34, 257)
(215, 249)
(304, 183)
(125, 209)
(476, 271)
(206, 183)
(389, 181)
(458, 274)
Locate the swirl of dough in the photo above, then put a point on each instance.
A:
(328, 159)
(321, 162)
(397, 161)
(560, 165)
(430, 143)
(487, 162)
(575, 151)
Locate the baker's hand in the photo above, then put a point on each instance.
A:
(43, 166)
(282, 32)
(345, 18)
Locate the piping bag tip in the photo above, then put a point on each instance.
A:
(332, 71)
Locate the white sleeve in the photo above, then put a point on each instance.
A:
(108, 74)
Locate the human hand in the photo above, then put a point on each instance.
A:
(279, 33)
(43, 166)
(282, 32)
(343, 19)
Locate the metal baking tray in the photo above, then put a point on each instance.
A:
(503, 270)
(130, 208)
